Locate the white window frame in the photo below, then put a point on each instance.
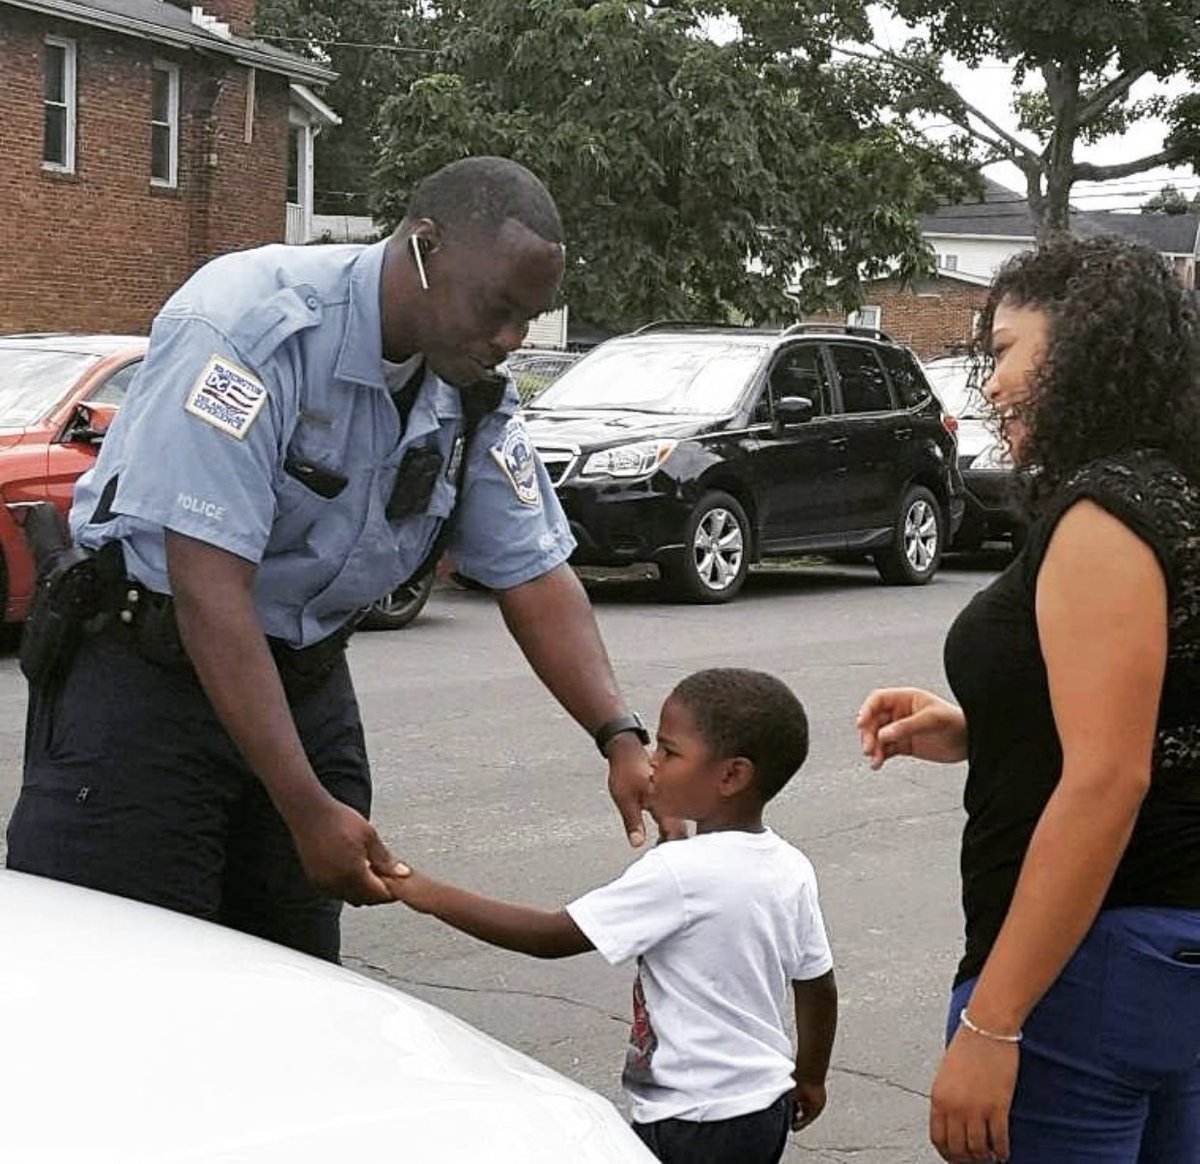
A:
(866, 316)
(172, 124)
(947, 262)
(70, 55)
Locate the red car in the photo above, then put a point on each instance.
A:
(58, 395)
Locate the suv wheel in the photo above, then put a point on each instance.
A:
(400, 607)
(716, 551)
(916, 549)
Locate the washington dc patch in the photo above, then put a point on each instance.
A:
(516, 457)
(227, 397)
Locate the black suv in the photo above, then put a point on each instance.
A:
(702, 449)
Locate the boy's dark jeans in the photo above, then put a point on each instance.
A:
(756, 1138)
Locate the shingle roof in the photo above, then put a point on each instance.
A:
(999, 212)
(169, 24)
(1170, 234)
(1005, 213)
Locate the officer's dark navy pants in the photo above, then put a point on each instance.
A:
(1110, 1062)
(757, 1138)
(132, 786)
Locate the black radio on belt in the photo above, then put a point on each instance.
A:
(415, 479)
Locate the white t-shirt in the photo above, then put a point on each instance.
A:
(721, 924)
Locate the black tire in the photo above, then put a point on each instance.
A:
(916, 548)
(716, 554)
(400, 607)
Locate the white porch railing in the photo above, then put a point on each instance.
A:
(294, 231)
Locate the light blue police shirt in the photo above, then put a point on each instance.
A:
(274, 356)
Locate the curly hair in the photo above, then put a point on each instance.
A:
(750, 714)
(1120, 369)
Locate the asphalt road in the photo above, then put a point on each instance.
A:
(482, 779)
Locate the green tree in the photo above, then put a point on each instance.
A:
(378, 48)
(1171, 200)
(697, 179)
(1085, 59)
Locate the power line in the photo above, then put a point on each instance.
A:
(391, 48)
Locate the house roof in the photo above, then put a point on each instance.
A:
(1170, 234)
(1000, 212)
(1003, 213)
(167, 24)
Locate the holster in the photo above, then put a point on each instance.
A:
(68, 594)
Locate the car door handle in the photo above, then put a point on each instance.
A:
(838, 442)
(903, 434)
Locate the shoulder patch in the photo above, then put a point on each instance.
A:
(516, 458)
(227, 397)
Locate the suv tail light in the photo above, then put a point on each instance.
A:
(949, 423)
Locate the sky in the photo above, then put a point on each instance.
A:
(989, 87)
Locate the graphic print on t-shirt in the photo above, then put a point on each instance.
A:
(642, 1040)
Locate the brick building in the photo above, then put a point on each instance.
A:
(933, 316)
(141, 138)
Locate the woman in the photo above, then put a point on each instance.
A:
(1074, 1029)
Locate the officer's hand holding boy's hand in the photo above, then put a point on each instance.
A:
(342, 854)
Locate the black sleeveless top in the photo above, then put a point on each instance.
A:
(994, 663)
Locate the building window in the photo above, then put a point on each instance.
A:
(871, 317)
(58, 104)
(164, 125)
(947, 262)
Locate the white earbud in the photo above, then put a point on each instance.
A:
(415, 243)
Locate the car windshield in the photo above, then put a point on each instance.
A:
(691, 376)
(953, 381)
(33, 381)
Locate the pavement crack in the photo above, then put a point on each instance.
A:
(883, 1079)
(877, 820)
(381, 972)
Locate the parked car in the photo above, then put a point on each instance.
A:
(993, 510)
(174, 1039)
(703, 449)
(534, 369)
(58, 394)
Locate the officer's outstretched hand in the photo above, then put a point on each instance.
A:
(342, 855)
(629, 786)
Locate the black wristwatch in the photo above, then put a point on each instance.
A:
(629, 722)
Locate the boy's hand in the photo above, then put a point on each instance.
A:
(408, 886)
(810, 1102)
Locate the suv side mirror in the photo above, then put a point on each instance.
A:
(89, 423)
(791, 410)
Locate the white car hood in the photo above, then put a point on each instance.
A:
(134, 1035)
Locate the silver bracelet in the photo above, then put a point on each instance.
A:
(965, 1019)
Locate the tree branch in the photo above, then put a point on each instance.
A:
(1086, 172)
(1103, 98)
(1016, 147)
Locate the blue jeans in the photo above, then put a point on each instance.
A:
(1110, 1063)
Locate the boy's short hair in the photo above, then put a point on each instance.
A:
(750, 714)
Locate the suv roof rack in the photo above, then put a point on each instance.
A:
(840, 328)
(688, 325)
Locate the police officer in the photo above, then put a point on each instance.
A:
(306, 421)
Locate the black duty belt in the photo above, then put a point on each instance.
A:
(145, 621)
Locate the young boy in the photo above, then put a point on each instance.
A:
(719, 923)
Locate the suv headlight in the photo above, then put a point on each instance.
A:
(636, 460)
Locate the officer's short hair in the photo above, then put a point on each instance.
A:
(749, 714)
(480, 194)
